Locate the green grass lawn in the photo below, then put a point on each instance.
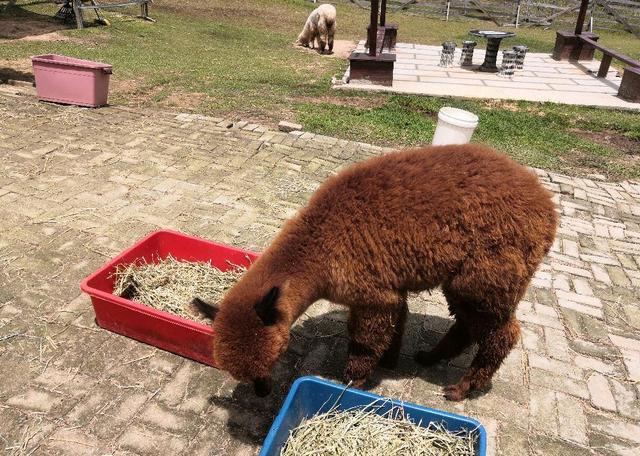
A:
(235, 58)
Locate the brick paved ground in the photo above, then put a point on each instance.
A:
(77, 186)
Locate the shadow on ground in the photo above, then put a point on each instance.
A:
(10, 74)
(17, 22)
(319, 347)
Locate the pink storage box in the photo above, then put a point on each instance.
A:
(71, 81)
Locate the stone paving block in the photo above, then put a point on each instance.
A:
(29, 436)
(608, 424)
(582, 287)
(133, 402)
(561, 282)
(608, 445)
(544, 411)
(578, 298)
(146, 441)
(600, 392)
(549, 380)
(581, 308)
(571, 418)
(533, 338)
(546, 445)
(556, 343)
(71, 442)
(588, 363)
(161, 416)
(555, 366)
(625, 342)
(626, 401)
(618, 276)
(601, 274)
(36, 400)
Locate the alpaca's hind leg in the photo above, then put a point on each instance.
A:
(371, 332)
(494, 344)
(493, 289)
(450, 346)
(330, 39)
(390, 357)
(454, 341)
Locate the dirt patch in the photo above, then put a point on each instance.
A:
(502, 104)
(184, 100)
(342, 49)
(134, 92)
(352, 101)
(125, 86)
(612, 139)
(44, 29)
(616, 167)
(52, 36)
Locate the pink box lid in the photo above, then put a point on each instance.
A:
(70, 61)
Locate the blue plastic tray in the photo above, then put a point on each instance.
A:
(310, 395)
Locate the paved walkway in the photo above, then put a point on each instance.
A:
(417, 71)
(77, 186)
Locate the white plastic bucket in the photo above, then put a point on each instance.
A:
(455, 126)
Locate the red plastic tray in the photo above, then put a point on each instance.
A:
(155, 327)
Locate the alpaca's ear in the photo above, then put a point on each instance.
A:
(266, 307)
(205, 308)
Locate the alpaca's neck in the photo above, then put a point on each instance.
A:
(300, 278)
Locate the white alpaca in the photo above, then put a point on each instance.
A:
(321, 24)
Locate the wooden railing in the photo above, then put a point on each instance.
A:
(608, 55)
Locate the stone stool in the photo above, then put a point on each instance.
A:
(466, 59)
(521, 51)
(446, 56)
(508, 67)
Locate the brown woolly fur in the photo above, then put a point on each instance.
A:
(462, 217)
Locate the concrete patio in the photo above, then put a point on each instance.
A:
(417, 71)
(72, 197)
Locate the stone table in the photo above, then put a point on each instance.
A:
(493, 45)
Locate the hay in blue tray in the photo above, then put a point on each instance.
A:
(364, 431)
(321, 418)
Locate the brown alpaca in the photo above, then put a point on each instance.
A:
(463, 217)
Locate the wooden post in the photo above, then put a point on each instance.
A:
(448, 9)
(584, 6)
(78, 13)
(604, 66)
(517, 13)
(383, 13)
(373, 28)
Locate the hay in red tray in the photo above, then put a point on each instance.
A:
(161, 329)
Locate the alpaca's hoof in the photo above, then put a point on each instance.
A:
(426, 358)
(355, 374)
(454, 392)
(355, 382)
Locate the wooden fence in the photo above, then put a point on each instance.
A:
(603, 14)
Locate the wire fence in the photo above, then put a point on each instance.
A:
(603, 14)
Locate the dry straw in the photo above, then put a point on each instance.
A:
(362, 431)
(171, 285)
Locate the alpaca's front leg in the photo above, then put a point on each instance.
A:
(372, 333)
(322, 34)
